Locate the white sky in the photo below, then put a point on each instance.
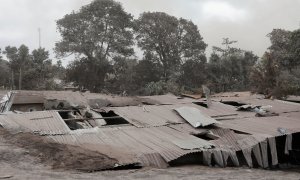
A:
(247, 21)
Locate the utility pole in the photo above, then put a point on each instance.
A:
(39, 30)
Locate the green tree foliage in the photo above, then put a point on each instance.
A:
(97, 33)
(172, 41)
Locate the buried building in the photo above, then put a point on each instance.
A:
(237, 129)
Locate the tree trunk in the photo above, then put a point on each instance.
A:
(20, 79)
(12, 80)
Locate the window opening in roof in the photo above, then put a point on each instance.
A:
(74, 120)
(203, 104)
(112, 118)
(64, 114)
(233, 103)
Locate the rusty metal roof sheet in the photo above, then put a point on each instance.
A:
(117, 101)
(160, 115)
(195, 117)
(277, 106)
(293, 98)
(26, 98)
(42, 122)
(263, 125)
(146, 142)
(188, 129)
(169, 99)
(295, 115)
(147, 116)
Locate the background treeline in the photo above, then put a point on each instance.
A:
(107, 44)
(25, 70)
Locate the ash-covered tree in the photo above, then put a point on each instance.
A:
(278, 72)
(39, 75)
(193, 74)
(294, 49)
(147, 70)
(265, 74)
(121, 80)
(171, 40)
(229, 67)
(19, 59)
(280, 48)
(96, 34)
(31, 71)
(4, 72)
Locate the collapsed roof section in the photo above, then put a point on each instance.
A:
(166, 130)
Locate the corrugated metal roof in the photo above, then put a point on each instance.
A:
(42, 122)
(295, 115)
(169, 99)
(146, 142)
(147, 116)
(167, 136)
(231, 142)
(160, 115)
(188, 129)
(28, 98)
(277, 106)
(263, 125)
(74, 98)
(293, 98)
(118, 101)
(195, 117)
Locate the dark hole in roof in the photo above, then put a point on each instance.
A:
(205, 136)
(203, 104)
(73, 125)
(233, 103)
(240, 132)
(113, 118)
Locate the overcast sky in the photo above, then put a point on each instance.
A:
(247, 21)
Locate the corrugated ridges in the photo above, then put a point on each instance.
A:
(262, 125)
(41, 122)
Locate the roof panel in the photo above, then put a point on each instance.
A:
(195, 117)
(42, 122)
(263, 125)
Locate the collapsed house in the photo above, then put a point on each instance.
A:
(233, 129)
